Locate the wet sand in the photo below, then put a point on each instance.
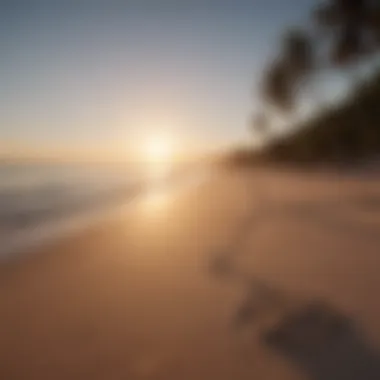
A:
(190, 283)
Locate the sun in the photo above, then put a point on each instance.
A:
(158, 149)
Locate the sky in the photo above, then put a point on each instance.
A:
(91, 74)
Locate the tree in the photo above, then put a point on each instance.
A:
(277, 87)
(347, 34)
(298, 55)
(285, 77)
(353, 27)
(275, 93)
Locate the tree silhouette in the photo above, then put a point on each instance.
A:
(276, 88)
(285, 77)
(298, 54)
(351, 29)
(342, 36)
(353, 26)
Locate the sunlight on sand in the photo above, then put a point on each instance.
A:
(158, 171)
(156, 200)
(158, 194)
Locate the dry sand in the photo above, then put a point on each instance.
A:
(251, 275)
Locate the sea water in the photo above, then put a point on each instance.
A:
(34, 198)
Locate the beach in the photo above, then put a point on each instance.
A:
(191, 283)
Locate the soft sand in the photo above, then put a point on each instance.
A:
(167, 291)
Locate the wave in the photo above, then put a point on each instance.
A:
(34, 198)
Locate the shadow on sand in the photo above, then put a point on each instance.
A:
(325, 214)
(311, 334)
(324, 344)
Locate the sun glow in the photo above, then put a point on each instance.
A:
(159, 149)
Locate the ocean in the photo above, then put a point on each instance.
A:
(38, 200)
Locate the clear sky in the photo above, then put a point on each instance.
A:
(91, 73)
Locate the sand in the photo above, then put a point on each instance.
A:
(251, 274)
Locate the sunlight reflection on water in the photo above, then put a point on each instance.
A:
(156, 199)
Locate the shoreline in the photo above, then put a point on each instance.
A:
(139, 296)
(36, 236)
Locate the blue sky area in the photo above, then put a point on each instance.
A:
(107, 73)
